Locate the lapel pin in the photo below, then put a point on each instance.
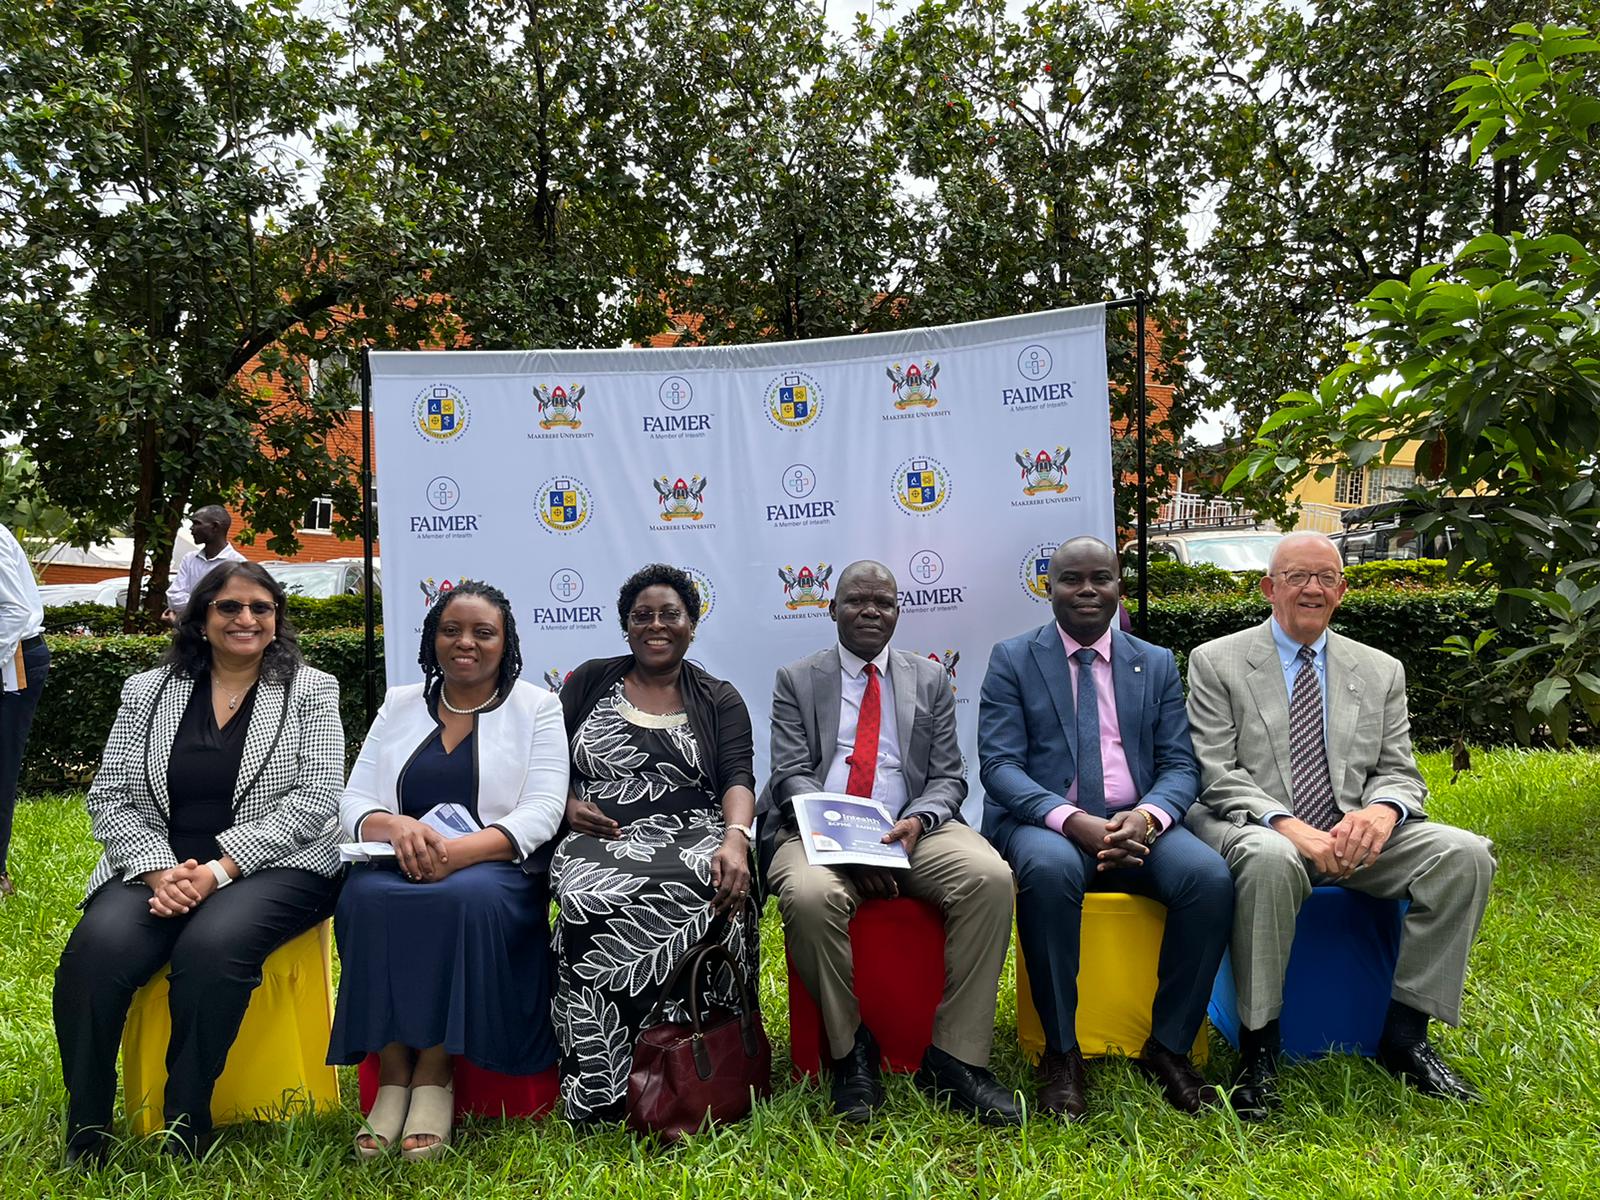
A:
(1137, 669)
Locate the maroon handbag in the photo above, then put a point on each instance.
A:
(712, 1068)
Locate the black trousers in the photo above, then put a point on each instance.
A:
(216, 951)
(16, 719)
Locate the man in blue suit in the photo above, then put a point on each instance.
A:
(1087, 770)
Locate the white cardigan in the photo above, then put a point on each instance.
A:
(520, 763)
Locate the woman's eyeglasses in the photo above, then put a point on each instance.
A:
(643, 618)
(232, 608)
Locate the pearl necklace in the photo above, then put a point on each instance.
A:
(467, 712)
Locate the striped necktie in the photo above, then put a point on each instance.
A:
(1308, 749)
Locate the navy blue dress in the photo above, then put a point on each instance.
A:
(464, 962)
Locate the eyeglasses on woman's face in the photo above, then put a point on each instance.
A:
(643, 618)
(258, 608)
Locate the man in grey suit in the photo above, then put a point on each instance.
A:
(870, 721)
(1307, 777)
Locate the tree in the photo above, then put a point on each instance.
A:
(165, 243)
(1331, 163)
(1492, 359)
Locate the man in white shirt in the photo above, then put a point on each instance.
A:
(861, 719)
(24, 663)
(209, 527)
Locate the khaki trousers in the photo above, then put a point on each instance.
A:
(1443, 871)
(953, 868)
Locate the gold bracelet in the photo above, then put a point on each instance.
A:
(1151, 825)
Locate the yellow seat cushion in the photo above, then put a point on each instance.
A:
(1119, 948)
(276, 1061)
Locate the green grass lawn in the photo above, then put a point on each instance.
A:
(1529, 1043)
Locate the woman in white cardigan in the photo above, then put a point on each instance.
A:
(448, 952)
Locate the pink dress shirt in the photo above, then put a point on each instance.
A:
(1120, 790)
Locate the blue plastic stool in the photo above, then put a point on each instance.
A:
(1341, 972)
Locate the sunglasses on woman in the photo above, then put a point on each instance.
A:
(232, 608)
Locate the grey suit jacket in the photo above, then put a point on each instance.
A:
(1239, 719)
(805, 732)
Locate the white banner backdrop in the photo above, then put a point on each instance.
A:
(959, 456)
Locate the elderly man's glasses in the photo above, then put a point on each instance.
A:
(643, 618)
(1328, 579)
(232, 608)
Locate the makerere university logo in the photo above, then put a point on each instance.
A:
(681, 500)
(564, 504)
(440, 413)
(921, 486)
(914, 386)
(1043, 472)
(560, 407)
(793, 400)
(805, 588)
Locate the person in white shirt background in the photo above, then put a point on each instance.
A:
(209, 527)
(24, 663)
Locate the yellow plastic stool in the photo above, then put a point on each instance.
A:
(1120, 946)
(276, 1061)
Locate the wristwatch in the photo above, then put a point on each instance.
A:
(1151, 827)
(220, 873)
(749, 831)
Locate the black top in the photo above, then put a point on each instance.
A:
(203, 773)
(433, 777)
(717, 715)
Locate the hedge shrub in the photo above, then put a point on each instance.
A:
(1196, 579)
(99, 620)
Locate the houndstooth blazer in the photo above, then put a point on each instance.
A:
(286, 799)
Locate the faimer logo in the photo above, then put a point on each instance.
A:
(921, 486)
(793, 400)
(708, 593)
(801, 507)
(559, 411)
(1034, 570)
(564, 505)
(562, 611)
(913, 388)
(440, 413)
(1034, 390)
(442, 495)
(805, 592)
(925, 589)
(677, 424)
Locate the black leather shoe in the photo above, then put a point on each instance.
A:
(88, 1148)
(857, 1086)
(1063, 1090)
(1419, 1064)
(1185, 1089)
(1255, 1084)
(967, 1088)
(7, 888)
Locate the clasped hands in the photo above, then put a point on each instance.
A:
(179, 889)
(1353, 843)
(1120, 840)
(421, 852)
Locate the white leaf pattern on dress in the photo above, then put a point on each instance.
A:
(589, 890)
(642, 838)
(642, 944)
(595, 1033)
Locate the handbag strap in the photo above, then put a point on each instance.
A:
(708, 952)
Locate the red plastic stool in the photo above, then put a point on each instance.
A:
(897, 948)
(478, 1092)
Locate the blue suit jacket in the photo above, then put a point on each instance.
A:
(1027, 729)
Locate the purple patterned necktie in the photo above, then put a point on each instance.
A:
(1308, 749)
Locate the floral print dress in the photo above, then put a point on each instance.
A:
(630, 907)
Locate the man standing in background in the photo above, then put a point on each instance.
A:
(209, 527)
(24, 663)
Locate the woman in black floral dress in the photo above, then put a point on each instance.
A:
(660, 806)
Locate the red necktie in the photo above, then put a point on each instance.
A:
(863, 759)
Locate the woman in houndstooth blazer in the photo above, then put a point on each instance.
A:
(216, 802)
